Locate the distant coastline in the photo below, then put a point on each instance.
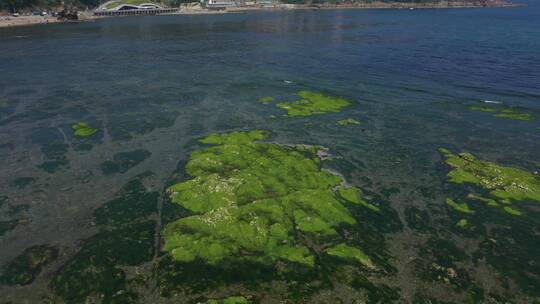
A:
(25, 20)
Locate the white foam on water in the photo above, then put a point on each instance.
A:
(493, 101)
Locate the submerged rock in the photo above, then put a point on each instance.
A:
(26, 267)
(22, 182)
(6, 226)
(124, 161)
(260, 202)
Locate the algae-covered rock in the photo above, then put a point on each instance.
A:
(313, 103)
(83, 129)
(487, 201)
(462, 223)
(348, 122)
(511, 210)
(482, 109)
(347, 252)
(229, 300)
(267, 99)
(503, 183)
(354, 196)
(24, 268)
(504, 113)
(461, 207)
(256, 202)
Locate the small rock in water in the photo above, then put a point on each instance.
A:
(323, 155)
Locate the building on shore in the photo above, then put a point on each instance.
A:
(119, 8)
(223, 4)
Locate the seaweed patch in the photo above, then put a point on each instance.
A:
(83, 129)
(258, 202)
(504, 113)
(313, 103)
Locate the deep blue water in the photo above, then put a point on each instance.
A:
(158, 83)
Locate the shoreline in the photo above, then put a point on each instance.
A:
(10, 21)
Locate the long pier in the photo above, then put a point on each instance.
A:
(136, 12)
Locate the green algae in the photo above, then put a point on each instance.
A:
(255, 202)
(354, 196)
(504, 113)
(229, 300)
(512, 211)
(267, 99)
(24, 269)
(482, 109)
(348, 122)
(124, 161)
(461, 207)
(487, 201)
(462, 223)
(313, 103)
(83, 129)
(504, 183)
(347, 252)
(515, 115)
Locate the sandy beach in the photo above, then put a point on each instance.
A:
(11, 21)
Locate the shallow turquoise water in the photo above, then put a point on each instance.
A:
(156, 84)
